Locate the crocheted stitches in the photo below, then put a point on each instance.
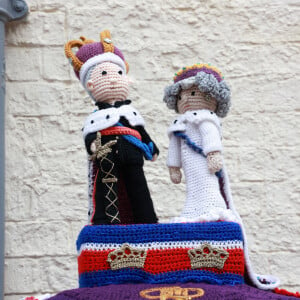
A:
(195, 117)
(91, 53)
(207, 257)
(173, 292)
(147, 233)
(194, 69)
(166, 248)
(105, 82)
(204, 200)
(102, 119)
(133, 292)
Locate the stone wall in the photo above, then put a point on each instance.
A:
(255, 44)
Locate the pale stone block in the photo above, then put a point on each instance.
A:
(28, 61)
(61, 167)
(38, 28)
(65, 202)
(19, 198)
(55, 65)
(38, 238)
(36, 99)
(40, 275)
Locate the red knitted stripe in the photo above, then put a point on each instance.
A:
(159, 261)
(89, 261)
(119, 130)
(286, 293)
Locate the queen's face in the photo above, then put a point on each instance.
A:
(108, 83)
(193, 99)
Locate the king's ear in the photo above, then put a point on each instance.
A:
(90, 85)
(130, 80)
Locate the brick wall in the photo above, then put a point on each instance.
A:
(255, 44)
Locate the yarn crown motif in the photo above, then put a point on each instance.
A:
(125, 257)
(106, 44)
(207, 257)
(194, 69)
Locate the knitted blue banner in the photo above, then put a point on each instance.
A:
(143, 233)
(99, 278)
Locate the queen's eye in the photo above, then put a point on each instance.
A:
(120, 72)
(193, 93)
(179, 97)
(207, 97)
(104, 72)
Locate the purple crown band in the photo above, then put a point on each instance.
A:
(90, 50)
(193, 72)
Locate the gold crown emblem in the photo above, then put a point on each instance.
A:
(172, 293)
(207, 257)
(126, 257)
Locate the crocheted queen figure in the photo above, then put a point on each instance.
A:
(114, 135)
(200, 95)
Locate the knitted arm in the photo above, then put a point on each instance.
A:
(174, 153)
(146, 138)
(211, 137)
(89, 140)
(212, 147)
(174, 159)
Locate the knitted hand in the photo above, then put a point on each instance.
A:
(175, 174)
(154, 158)
(214, 161)
(100, 150)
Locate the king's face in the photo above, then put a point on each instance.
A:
(108, 82)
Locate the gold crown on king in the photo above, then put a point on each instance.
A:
(207, 257)
(125, 257)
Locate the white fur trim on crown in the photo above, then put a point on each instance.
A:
(187, 83)
(98, 59)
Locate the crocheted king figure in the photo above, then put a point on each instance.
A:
(200, 95)
(114, 135)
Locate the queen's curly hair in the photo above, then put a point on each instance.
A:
(207, 83)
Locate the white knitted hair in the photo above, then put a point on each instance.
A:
(206, 83)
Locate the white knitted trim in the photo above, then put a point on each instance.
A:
(195, 117)
(213, 215)
(187, 83)
(105, 57)
(256, 279)
(108, 117)
(39, 297)
(230, 244)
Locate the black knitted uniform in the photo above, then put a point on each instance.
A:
(124, 161)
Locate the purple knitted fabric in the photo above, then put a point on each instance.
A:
(193, 72)
(132, 292)
(90, 50)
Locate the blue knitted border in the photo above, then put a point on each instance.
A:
(99, 278)
(143, 233)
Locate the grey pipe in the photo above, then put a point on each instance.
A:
(10, 10)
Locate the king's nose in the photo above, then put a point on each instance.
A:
(113, 80)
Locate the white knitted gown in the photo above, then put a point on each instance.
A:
(204, 201)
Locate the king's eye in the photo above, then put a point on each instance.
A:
(120, 72)
(193, 93)
(207, 97)
(104, 72)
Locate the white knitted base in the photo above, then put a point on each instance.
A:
(212, 216)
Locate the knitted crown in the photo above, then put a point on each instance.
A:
(91, 53)
(207, 78)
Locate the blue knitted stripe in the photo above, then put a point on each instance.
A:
(195, 147)
(146, 149)
(130, 275)
(189, 142)
(143, 233)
